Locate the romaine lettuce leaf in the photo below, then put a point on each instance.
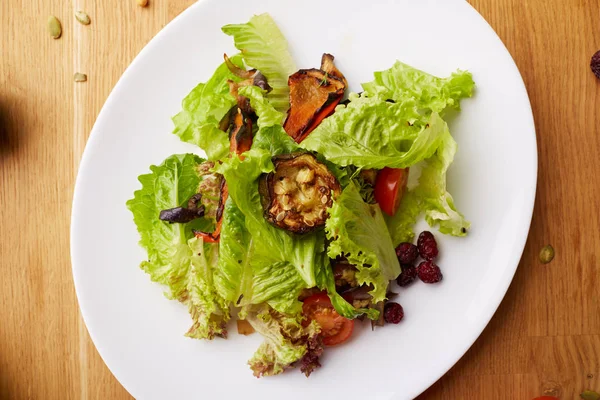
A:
(403, 82)
(202, 110)
(265, 49)
(282, 265)
(374, 133)
(175, 258)
(286, 342)
(233, 278)
(358, 231)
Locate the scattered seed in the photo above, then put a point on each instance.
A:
(590, 395)
(79, 77)
(324, 199)
(280, 216)
(54, 27)
(546, 254)
(82, 17)
(142, 3)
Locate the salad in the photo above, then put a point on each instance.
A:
(291, 221)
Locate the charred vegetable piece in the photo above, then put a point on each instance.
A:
(240, 135)
(313, 97)
(244, 327)
(213, 237)
(184, 214)
(297, 194)
(344, 274)
(330, 69)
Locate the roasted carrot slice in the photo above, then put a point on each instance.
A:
(240, 135)
(313, 97)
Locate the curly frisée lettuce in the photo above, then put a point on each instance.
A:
(176, 259)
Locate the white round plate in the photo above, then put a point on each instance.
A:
(139, 333)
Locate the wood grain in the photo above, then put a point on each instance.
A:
(545, 335)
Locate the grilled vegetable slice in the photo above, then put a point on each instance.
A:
(240, 135)
(330, 69)
(313, 96)
(297, 194)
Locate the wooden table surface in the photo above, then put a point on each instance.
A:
(545, 336)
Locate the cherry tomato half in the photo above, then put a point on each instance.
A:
(389, 188)
(335, 329)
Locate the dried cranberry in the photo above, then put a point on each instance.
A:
(393, 313)
(595, 64)
(407, 276)
(407, 253)
(427, 246)
(429, 272)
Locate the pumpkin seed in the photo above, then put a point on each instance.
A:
(590, 395)
(82, 17)
(54, 27)
(546, 254)
(79, 77)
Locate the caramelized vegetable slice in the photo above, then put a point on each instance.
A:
(297, 194)
(313, 97)
(330, 69)
(240, 134)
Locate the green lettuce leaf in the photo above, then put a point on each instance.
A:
(267, 114)
(233, 278)
(358, 231)
(431, 197)
(437, 202)
(374, 133)
(270, 136)
(264, 48)
(286, 342)
(202, 110)
(403, 82)
(175, 258)
(401, 225)
(282, 265)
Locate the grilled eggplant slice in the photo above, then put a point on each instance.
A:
(313, 97)
(297, 194)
